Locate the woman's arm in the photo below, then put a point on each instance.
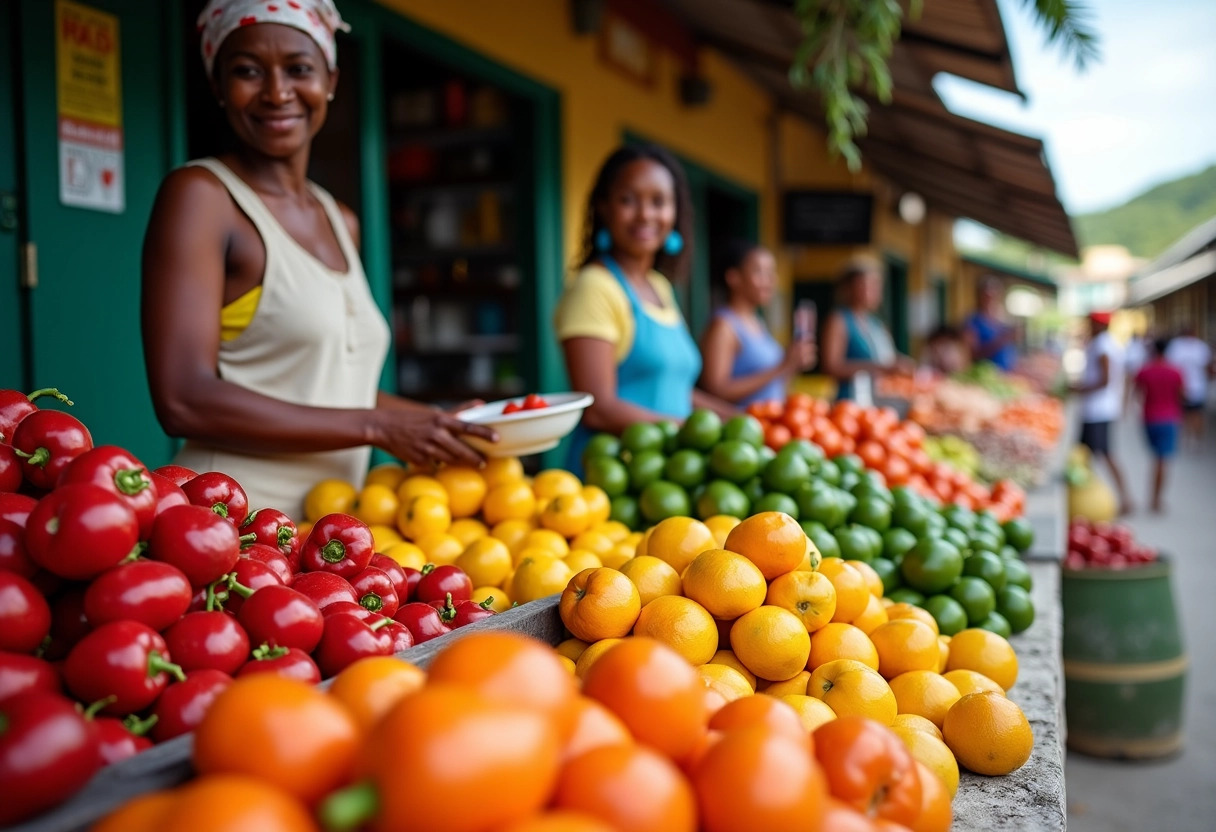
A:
(707, 401)
(591, 366)
(835, 346)
(184, 266)
(720, 345)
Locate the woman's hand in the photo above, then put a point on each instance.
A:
(800, 356)
(425, 437)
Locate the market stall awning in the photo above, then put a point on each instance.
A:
(1188, 261)
(963, 167)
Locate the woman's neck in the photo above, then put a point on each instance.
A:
(275, 177)
(635, 267)
(741, 306)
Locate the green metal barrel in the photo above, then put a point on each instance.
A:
(1124, 666)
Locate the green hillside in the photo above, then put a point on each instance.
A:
(1150, 222)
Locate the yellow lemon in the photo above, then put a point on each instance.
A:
(614, 530)
(566, 514)
(329, 497)
(593, 541)
(407, 554)
(423, 516)
(486, 561)
(509, 501)
(580, 559)
(467, 529)
(652, 577)
(514, 533)
(440, 549)
(384, 536)
(599, 506)
(720, 526)
(550, 483)
(539, 577)
(498, 598)
(502, 470)
(376, 505)
(466, 489)
(420, 485)
(386, 473)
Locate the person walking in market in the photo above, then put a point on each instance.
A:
(264, 347)
(1162, 388)
(1101, 391)
(1193, 357)
(743, 363)
(621, 331)
(989, 336)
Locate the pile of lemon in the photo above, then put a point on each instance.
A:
(757, 611)
(519, 538)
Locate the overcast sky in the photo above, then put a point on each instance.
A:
(1145, 113)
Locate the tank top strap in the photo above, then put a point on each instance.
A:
(245, 198)
(341, 231)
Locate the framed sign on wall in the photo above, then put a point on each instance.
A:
(826, 217)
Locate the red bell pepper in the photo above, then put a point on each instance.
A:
(153, 593)
(324, 588)
(208, 640)
(347, 639)
(282, 617)
(288, 662)
(21, 673)
(122, 739)
(270, 557)
(15, 406)
(13, 555)
(176, 474)
(220, 493)
(119, 472)
(376, 591)
(338, 543)
(16, 507)
(437, 582)
(423, 621)
(183, 704)
(80, 530)
(10, 469)
(48, 751)
(124, 660)
(47, 441)
(275, 529)
(197, 541)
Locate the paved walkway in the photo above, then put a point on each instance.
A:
(1177, 794)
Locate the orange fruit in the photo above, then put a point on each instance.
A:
(931, 751)
(384, 537)
(599, 506)
(440, 549)
(376, 505)
(599, 603)
(486, 561)
(726, 657)
(659, 797)
(677, 540)
(906, 610)
(988, 733)
(795, 684)
(683, 625)
(509, 501)
(539, 577)
(771, 642)
(419, 485)
(502, 470)
(936, 814)
(727, 681)
(759, 711)
(567, 514)
(971, 681)
(329, 497)
(852, 688)
(925, 693)
(407, 554)
(812, 712)
(984, 652)
(915, 722)
(872, 581)
(943, 653)
(652, 577)
(560, 820)
(594, 727)
(852, 595)
(654, 691)
(580, 559)
(593, 540)
(808, 595)
(872, 616)
(618, 557)
(514, 533)
(468, 529)
(571, 648)
(812, 558)
(905, 644)
(841, 641)
(466, 489)
(370, 687)
(772, 540)
(555, 481)
(720, 525)
(423, 516)
(592, 654)
(549, 540)
(614, 530)
(388, 474)
(726, 584)
(757, 778)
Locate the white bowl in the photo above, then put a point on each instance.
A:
(526, 431)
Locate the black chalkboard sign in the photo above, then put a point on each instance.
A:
(826, 217)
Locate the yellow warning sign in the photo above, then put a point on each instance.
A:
(89, 75)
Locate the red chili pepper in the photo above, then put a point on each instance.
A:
(25, 616)
(469, 611)
(21, 673)
(69, 624)
(48, 751)
(176, 474)
(13, 556)
(338, 543)
(119, 472)
(422, 620)
(208, 640)
(153, 593)
(402, 638)
(219, 493)
(437, 582)
(197, 541)
(412, 577)
(47, 441)
(324, 588)
(246, 578)
(122, 739)
(270, 557)
(10, 469)
(282, 617)
(395, 574)
(376, 591)
(276, 530)
(15, 406)
(122, 659)
(347, 639)
(80, 530)
(288, 662)
(183, 705)
(168, 494)
(16, 507)
(357, 610)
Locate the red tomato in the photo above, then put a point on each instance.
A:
(512, 407)
(534, 402)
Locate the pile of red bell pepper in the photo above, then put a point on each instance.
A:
(130, 598)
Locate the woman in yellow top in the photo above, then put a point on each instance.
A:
(263, 344)
(621, 332)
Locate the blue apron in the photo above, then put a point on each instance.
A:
(858, 347)
(659, 373)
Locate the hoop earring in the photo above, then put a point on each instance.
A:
(602, 240)
(674, 243)
(329, 97)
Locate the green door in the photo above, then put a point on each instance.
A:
(83, 315)
(12, 349)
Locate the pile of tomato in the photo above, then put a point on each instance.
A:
(532, 401)
(130, 598)
(1105, 546)
(885, 444)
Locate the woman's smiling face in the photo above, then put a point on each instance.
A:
(640, 209)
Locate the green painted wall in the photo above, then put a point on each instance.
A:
(12, 350)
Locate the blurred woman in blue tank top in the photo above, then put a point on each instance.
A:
(742, 362)
(856, 345)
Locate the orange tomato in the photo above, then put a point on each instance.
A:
(768, 410)
(896, 470)
(235, 803)
(847, 424)
(655, 692)
(146, 813)
(800, 401)
(756, 778)
(285, 732)
(759, 711)
(869, 767)
(560, 821)
(848, 444)
(793, 419)
(936, 814)
(841, 817)
(629, 786)
(776, 436)
(594, 727)
(872, 453)
(370, 687)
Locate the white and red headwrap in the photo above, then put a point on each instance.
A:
(319, 19)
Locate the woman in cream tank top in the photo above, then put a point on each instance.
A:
(285, 393)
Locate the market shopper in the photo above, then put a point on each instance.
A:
(1193, 357)
(1101, 391)
(1162, 388)
(743, 363)
(989, 336)
(622, 334)
(856, 344)
(263, 344)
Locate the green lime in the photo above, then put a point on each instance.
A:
(937, 525)
(775, 501)
(820, 504)
(905, 496)
(876, 481)
(854, 543)
(602, 444)
(701, 430)
(897, 542)
(959, 517)
(734, 460)
(662, 499)
(986, 524)
(850, 462)
(829, 472)
(1019, 534)
(982, 540)
(808, 450)
(847, 501)
(722, 497)
(686, 468)
(767, 454)
(625, 510)
(932, 566)
(644, 468)
(906, 595)
(958, 537)
(996, 623)
(889, 572)
(849, 480)
(824, 540)
(988, 566)
(1016, 574)
(1009, 553)
(912, 518)
(642, 436)
(754, 489)
(949, 614)
(869, 488)
(1015, 605)
(744, 429)
(608, 473)
(786, 472)
(670, 431)
(976, 596)
(872, 512)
